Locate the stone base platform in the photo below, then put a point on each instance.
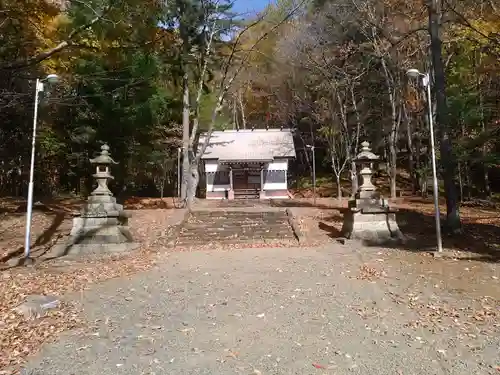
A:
(91, 249)
(106, 230)
(373, 226)
(98, 235)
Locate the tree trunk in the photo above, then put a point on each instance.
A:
(424, 183)
(185, 136)
(306, 154)
(354, 172)
(193, 180)
(339, 188)
(418, 149)
(465, 165)
(242, 109)
(460, 182)
(467, 180)
(411, 159)
(235, 121)
(447, 157)
(393, 171)
(393, 137)
(486, 180)
(354, 179)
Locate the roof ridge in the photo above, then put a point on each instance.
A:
(251, 130)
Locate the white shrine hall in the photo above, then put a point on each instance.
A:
(248, 164)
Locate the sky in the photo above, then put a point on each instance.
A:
(252, 6)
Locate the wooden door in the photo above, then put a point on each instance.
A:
(240, 179)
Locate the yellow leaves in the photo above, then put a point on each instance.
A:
(31, 26)
(479, 31)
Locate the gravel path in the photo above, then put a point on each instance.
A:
(265, 311)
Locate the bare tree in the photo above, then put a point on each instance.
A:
(326, 55)
(232, 66)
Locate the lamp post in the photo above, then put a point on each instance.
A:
(39, 87)
(426, 82)
(314, 172)
(179, 172)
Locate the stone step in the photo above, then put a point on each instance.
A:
(221, 234)
(229, 242)
(203, 240)
(208, 235)
(236, 229)
(239, 213)
(239, 217)
(230, 227)
(231, 221)
(237, 224)
(234, 219)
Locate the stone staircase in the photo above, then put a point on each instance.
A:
(235, 227)
(244, 194)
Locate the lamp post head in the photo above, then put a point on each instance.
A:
(413, 73)
(52, 78)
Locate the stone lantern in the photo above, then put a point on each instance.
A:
(369, 217)
(102, 226)
(103, 175)
(366, 159)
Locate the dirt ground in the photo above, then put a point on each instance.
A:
(472, 270)
(330, 310)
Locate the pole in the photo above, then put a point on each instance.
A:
(314, 175)
(29, 209)
(179, 172)
(426, 82)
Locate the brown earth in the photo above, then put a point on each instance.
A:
(472, 269)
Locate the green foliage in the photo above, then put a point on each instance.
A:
(122, 77)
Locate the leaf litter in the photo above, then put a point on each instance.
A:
(23, 336)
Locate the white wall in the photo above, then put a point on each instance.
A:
(213, 166)
(281, 165)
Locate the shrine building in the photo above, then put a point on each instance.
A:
(248, 164)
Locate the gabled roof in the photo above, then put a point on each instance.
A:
(254, 145)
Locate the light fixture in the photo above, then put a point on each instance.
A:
(413, 73)
(52, 78)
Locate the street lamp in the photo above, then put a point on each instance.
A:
(179, 172)
(416, 74)
(314, 172)
(39, 87)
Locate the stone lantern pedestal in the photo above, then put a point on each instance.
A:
(103, 224)
(369, 217)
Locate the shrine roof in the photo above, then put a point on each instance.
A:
(254, 145)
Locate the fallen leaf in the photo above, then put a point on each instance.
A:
(232, 354)
(316, 365)
(186, 330)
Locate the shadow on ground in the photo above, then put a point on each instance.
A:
(477, 238)
(49, 236)
(304, 203)
(17, 206)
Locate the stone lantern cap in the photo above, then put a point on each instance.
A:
(366, 153)
(104, 158)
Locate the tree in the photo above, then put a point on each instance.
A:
(447, 157)
(202, 25)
